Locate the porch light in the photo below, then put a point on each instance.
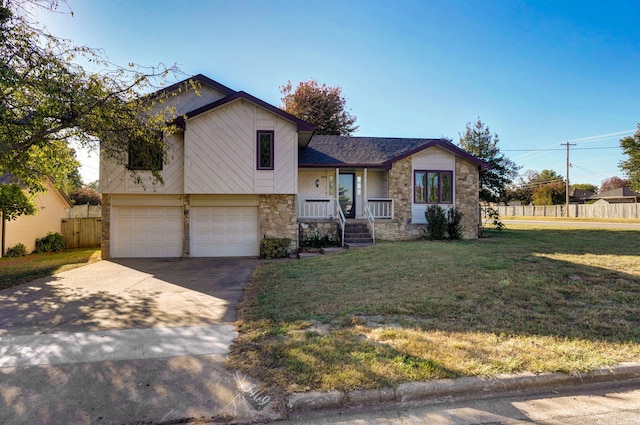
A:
(317, 182)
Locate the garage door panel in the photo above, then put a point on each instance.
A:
(224, 231)
(147, 231)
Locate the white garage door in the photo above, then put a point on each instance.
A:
(146, 232)
(224, 231)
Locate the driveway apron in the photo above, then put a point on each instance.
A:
(125, 341)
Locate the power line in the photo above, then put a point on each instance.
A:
(588, 139)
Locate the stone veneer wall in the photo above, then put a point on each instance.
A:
(467, 188)
(309, 227)
(186, 226)
(401, 190)
(105, 244)
(277, 217)
(468, 196)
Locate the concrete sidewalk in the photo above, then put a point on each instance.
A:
(127, 342)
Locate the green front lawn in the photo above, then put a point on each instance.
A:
(525, 299)
(14, 271)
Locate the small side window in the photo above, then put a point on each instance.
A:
(146, 156)
(265, 150)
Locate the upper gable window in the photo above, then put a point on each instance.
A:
(432, 187)
(265, 150)
(146, 157)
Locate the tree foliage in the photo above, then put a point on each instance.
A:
(479, 142)
(48, 99)
(631, 166)
(549, 194)
(84, 196)
(320, 105)
(612, 183)
(14, 202)
(530, 187)
(585, 186)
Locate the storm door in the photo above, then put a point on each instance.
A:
(346, 191)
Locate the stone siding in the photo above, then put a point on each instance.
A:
(401, 190)
(105, 244)
(309, 227)
(278, 217)
(467, 188)
(468, 197)
(392, 230)
(186, 226)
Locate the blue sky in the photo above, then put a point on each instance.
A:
(538, 73)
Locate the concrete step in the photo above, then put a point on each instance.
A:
(358, 240)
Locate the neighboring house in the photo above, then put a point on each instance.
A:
(241, 169)
(617, 196)
(26, 229)
(579, 196)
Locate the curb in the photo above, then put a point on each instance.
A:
(453, 388)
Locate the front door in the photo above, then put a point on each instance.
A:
(346, 191)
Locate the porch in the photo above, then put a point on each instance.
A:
(343, 196)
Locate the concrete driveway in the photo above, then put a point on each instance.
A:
(124, 341)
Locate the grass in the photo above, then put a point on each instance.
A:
(525, 299)
(15, 271)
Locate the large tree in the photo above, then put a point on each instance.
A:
(48, 99)
(479, 142)
(320, 105)
(631, 167)
(530, 187)
(612, 183)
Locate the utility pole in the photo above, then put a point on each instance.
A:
(566, 201)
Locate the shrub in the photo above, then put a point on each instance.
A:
(317, 241)
(491, 215)
(436, 222)
(454, 228)
(51, 243)
(275, 248)
(19, 250)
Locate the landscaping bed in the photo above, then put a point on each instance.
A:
(534, 300)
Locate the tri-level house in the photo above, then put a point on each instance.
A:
(240, 170)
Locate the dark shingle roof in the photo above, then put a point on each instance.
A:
(369, 151)
(616, 193)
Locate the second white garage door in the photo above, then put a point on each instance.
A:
(224, 231)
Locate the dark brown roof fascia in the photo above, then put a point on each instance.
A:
(197, 78)
(302, 125)
(444, 145)
(345, 165)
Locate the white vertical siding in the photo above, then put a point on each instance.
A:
(220, 153)
(115, 178)
(377, 184)
(435, 159)
(286, 157)
(188, 100)
(307, 183)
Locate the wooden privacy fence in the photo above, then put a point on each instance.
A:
(597, 210)
(82, 232)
